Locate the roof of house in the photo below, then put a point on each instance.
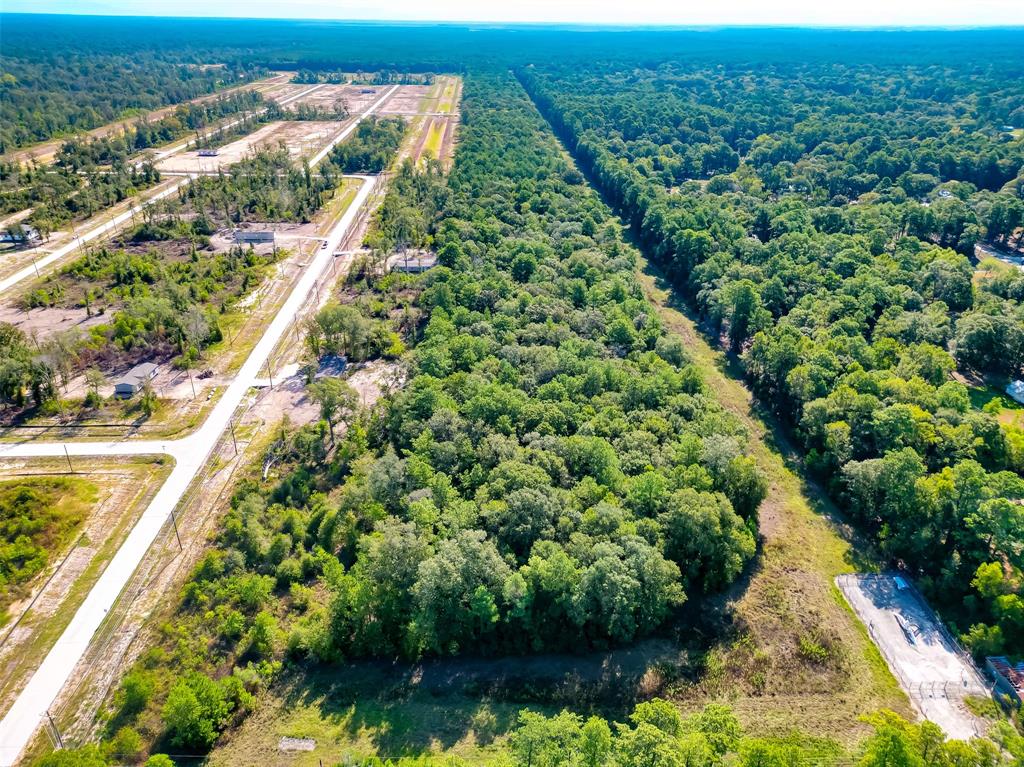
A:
(141, 372)
(1016, 390)
(1012, 672)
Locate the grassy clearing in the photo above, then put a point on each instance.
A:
(432, 147)
(109, 497)
(796, 656)
(38, 518)
(367, 713)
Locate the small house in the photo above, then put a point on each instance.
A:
(1016, 390)
(20, 234)
(412, 262)
(131, 382)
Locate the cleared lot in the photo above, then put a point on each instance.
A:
(931, 669)
(299, 137)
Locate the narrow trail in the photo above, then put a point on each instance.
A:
(190, 454)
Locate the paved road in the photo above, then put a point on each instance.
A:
(190, 454)
(114, 223)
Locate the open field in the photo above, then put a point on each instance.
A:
(932, 670)
(409, 100)
(115, 493)
(300, 138)
(354, 97)
(432, 130)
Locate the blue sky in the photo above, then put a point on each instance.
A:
(676, 12)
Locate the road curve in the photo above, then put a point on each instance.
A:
(190, 454)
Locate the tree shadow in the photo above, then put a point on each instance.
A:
(413, 708)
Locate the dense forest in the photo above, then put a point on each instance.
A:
(552, 476)
(53, 96)
(823, 220)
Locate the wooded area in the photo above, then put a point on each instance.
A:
(822, 221)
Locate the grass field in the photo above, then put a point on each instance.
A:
(796, 656)
(432, 148)
(38, 518)
(106, 498)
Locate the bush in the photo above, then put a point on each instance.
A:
(195, 711)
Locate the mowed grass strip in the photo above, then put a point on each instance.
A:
(797, 657)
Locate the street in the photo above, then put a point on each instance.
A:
(190, 454)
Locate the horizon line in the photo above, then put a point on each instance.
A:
(582, 26)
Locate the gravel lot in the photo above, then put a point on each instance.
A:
(928, 664)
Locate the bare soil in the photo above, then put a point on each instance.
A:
(125, 487)
(45, 152)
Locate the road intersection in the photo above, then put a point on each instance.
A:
(190, 455)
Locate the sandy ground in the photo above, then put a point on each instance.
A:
(930, 669)
(44, 153)
(44, 322)
(121, 494)
(356, 97)
(407, 100)
(299, 137)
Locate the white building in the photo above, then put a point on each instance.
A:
(131, 382)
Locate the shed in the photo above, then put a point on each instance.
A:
(1016, 390)
(208, 152)
(254, 235)
(131, 382)
(1008, 677)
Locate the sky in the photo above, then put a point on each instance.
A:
(872, 13)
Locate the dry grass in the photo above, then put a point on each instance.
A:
(797, 657)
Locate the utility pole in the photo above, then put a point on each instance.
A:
(175, 523)
(56, 732)
(231, 425)
(270, 373)
(189, 371)
(68, 456)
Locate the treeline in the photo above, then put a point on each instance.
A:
(44, 98)
(304, 111)
(60, 195)
(850, 314)
(78, 154)
(89, 175)
(553, 476)
(372, 148)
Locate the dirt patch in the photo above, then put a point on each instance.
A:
(56, 592)
(407, 100)
(43, 323)
(300, 138)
